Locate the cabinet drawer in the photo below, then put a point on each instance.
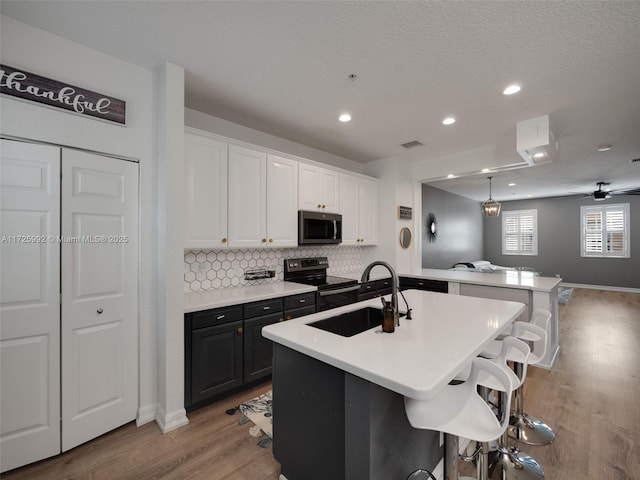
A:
(298, 301)
(367, 287)
(216, 316)
(424, 284)
(299, 312)
(263, 307)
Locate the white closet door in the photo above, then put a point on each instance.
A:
(99, 273)
(29, 303)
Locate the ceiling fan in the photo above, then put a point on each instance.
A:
(600, 194)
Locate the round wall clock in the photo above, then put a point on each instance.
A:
(432, 227)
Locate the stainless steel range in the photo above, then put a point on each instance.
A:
(332, 291)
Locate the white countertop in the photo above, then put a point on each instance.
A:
(421, 356)
(223, 297)
(507, 278)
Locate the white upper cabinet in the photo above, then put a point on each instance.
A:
(206, 178)
(263, 193)
(282, 198)
(247, 197)
(319, 189)
(359, 201)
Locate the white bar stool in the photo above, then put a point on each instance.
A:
(458, 409)
(523, 427)
(508, 463)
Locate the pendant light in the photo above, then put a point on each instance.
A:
(490, 208)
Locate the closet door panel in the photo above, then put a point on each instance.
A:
(100, 295)
(29, 303)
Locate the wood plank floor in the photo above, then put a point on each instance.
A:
(591, 398)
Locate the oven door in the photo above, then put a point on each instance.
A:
(337, 297)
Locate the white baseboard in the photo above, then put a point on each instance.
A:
(172, 421)
(600, 287)
(146, 414)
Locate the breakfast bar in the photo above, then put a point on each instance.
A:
(339, 401)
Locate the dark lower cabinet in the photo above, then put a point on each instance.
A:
(407, 283)
(374, 288)
(225, 349)
(213, 353)
(216, 360)
(258, 351)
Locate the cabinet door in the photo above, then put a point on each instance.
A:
(330, 182)
(216, 360)
(258, 351)
(310, 188)
(367, 211)
(247, 197)
(282, 200)
(206, 177)
(29, 303)
(349, 209)
(319, 189)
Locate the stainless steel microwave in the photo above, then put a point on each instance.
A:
(317, 228)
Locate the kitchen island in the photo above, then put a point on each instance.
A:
(339, 401)
(520, 286)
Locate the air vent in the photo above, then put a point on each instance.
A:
(412, 144)
(634, 160)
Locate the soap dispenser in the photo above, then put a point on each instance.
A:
(388, 318)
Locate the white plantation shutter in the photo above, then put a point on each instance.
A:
(520, 232)
(605, 231)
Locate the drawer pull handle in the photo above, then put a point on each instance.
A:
(302, 301)
(99, 311)
(220, 317)
(239, 330)
(266, 308)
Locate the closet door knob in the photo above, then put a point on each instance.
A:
(224, 240)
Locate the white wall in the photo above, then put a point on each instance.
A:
(171, 206)
(51, 56)
(396, 188)
(209, 123)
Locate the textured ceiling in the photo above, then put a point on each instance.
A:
(282, 67)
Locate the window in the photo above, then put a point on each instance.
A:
(605, 231)
(520, 232)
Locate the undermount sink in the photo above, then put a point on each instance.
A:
(351, 323)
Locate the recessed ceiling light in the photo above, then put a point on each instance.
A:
(511, 89)
(538, 155)
(484, 170)
(451, 175)
(605, 148)
(345, 117)
(512, 185)
(449, 121)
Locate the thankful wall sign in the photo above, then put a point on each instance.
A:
(29, 86)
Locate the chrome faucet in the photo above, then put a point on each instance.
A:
(394, 286)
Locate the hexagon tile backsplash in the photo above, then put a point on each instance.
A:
(207, 269)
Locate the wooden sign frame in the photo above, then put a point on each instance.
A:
(29, 86)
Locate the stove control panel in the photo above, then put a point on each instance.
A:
(303, 264)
